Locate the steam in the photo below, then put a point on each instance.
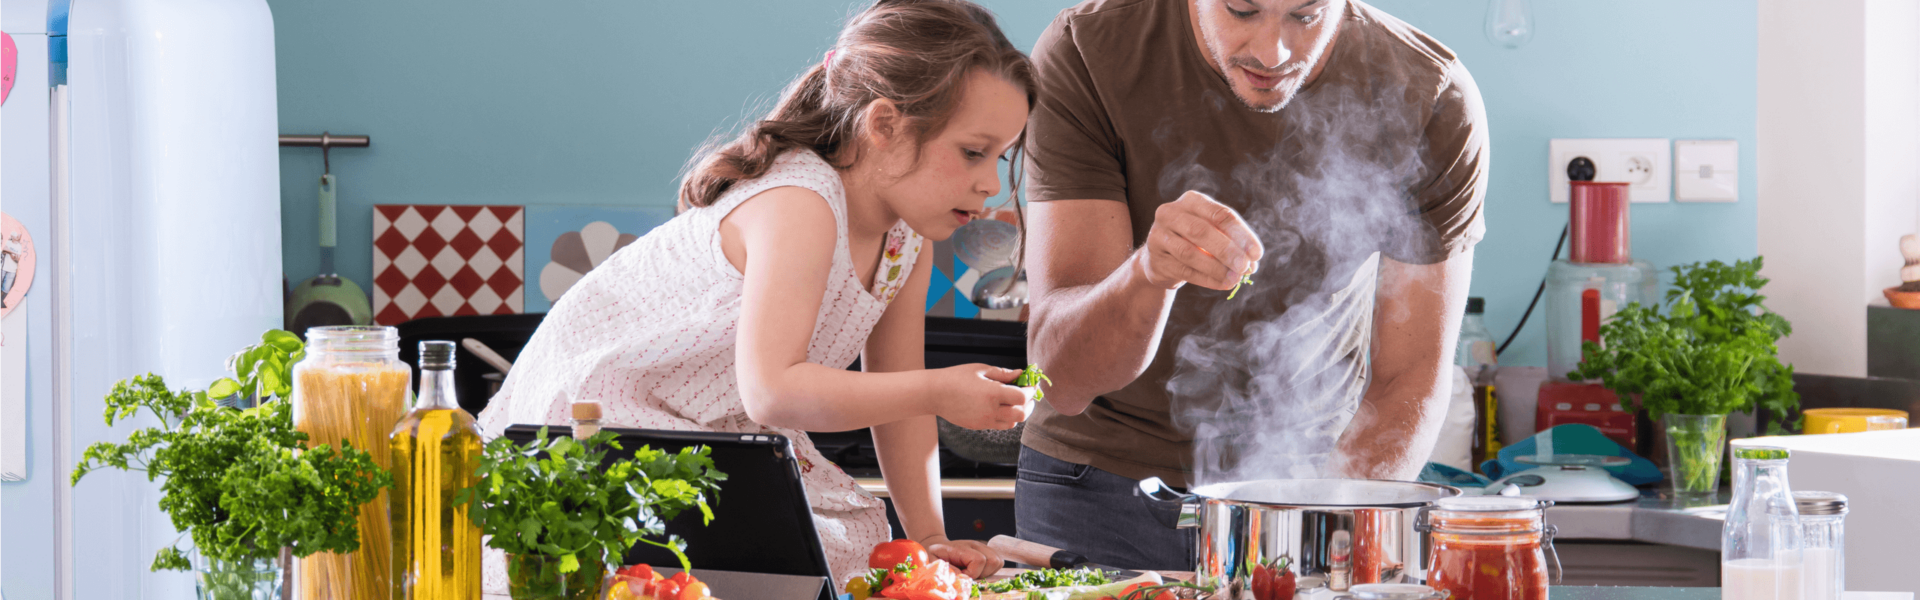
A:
(1266, 391)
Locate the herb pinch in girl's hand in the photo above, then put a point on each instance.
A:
(1032, 378)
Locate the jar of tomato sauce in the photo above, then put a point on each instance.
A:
(1490, 547)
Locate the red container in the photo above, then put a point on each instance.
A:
(1598, 222)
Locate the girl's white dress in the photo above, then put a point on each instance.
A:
(650, 334)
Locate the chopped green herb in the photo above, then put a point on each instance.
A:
(1245, 279)
(1032, 377)
(1046, 578)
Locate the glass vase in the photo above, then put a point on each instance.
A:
(538, 577)
(1695, 444)
(257, 579)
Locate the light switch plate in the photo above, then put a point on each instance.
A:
(1706, 170)
(1646, 164)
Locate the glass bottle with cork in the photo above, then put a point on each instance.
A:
(586, 419)
(436, 548)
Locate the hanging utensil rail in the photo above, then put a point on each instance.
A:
(325, 140)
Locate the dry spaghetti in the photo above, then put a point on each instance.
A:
(355, 397)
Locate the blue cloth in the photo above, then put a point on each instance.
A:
(1438, 473)
(1573, 439)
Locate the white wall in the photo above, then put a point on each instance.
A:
(1839, 140)
(1892, 137)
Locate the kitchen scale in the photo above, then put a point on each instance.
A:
(1567, 478)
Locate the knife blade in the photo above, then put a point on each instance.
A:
(1049, 557)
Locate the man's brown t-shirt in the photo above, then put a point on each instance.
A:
(1383, 155)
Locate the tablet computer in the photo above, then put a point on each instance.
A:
(762, 522)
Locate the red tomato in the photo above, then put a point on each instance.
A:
(1262, 583)
(888, 554)
(935, 581)
(682, 578)
(1128, 594)
(639, 571)
(666, 589)
(1283, 585)
(693, 591)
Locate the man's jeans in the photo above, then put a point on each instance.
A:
(1096, 514)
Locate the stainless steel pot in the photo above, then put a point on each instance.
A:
(1332, 533)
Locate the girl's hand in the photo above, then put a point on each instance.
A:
(978, 397)
(972, 557)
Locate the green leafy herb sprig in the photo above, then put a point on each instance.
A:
(1032, 377)
(1245, 279)
(1712, 353)
(562, 498)
(240, 481)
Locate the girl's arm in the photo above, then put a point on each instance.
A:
(782, 240)
(908, 449)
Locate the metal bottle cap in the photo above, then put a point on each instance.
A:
(436, 355)
(1820, 503)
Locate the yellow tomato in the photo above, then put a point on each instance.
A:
(858, 588)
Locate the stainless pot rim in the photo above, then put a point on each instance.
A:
(1336, 494)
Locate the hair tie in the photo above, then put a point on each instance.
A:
(829, 59)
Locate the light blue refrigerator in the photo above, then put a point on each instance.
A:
(138, 148)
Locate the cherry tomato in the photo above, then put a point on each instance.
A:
(642, 572)
(1283, 585)
(666, 589)
(682, 578)
(888, 554)
(1262, 583)
(694, 591)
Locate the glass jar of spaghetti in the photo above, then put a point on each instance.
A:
(1490, 547)
(352, 388)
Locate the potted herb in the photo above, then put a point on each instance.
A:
(1712, 352)
(560, 509)
(240, 481)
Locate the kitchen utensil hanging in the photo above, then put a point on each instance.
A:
(327, 298)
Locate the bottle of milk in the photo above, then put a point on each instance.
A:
(1760, 544)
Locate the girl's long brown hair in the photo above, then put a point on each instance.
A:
(916, 53)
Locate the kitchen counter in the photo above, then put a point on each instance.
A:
(1652, 519)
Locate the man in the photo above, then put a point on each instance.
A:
(1332, 155)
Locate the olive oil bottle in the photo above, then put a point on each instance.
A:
(436, 549)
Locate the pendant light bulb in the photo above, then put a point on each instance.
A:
(1509, 22)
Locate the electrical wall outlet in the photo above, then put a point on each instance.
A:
(1646, 164)
(1706, 170)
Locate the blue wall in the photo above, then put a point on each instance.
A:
(495, 102)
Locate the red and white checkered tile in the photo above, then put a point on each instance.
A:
(439, 260)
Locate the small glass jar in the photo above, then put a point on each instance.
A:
(1490, 547)
(586, 419)
(1823, 518)
(352, 388)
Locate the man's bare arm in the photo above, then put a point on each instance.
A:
(1099, 306)
(1416, 323)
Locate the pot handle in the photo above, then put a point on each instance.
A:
(1172, 508)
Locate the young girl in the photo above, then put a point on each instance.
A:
(802, 246)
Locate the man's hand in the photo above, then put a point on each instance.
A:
(1197, 240)
(972, 557)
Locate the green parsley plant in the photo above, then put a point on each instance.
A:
(1713, 351)
(563, 498)
(239, 481)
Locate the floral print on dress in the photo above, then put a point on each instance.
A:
(902, 249)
